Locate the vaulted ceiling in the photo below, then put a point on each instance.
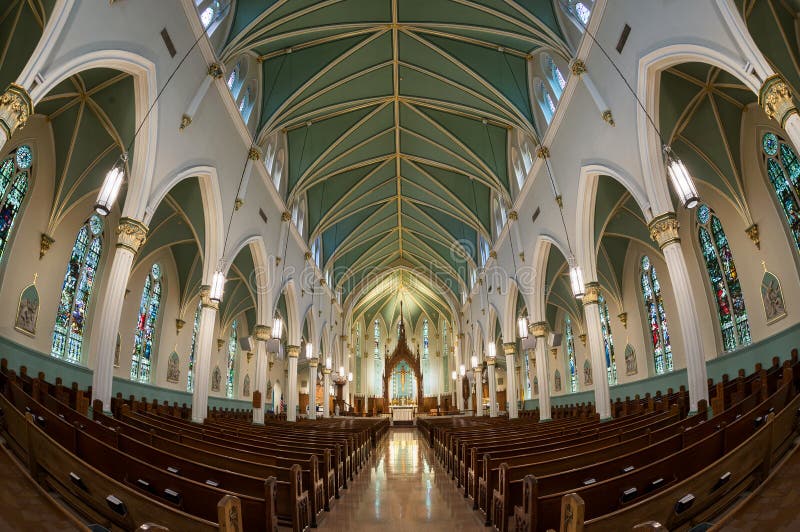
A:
(396, 115)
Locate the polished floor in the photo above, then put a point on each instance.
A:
(403, 488)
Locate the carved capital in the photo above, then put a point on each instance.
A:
(664, 229)
(582, 338)
(623, 317)
(538, 329)
(775, 98)
(510, 348)
(254, 154)
(286, 216)
(591, 294)
(490, 361)
(215, 70)
(44, 244)
(179, 323)
(220, 343)
(578, 67)
(205, 298)
(608, 118)
(313, 362)
(752, 232)
(131, 234)
(292, 351)
(326, 372)
(542, 152)
(262, 333)
(15, 108)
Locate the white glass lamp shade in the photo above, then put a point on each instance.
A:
(341, 371)
(217, 286)
(522, 326)
(309, 351)
(454, 375)
(328, 363)
(474, 361)
(350, 377)
(109, 190)
(682, 182)
(576, 280)
(277, 328)
(463, 370)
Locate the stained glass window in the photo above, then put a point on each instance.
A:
(149, 306)
(357, 342)
(572, 364)
(14, 180)
(195, 329)
(608, 340)
(377, 337)
(783, 170)
(656, 317)
(76, 291)
(582, 12)
(549, 102)
(724, 280)
(556, 78)
(233, 78)
(425, 338)
(233, 346)
(378, 379)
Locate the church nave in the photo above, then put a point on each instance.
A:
(403, 488)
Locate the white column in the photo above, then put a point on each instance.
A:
(775, 98)
(291, 401)
(202, 363)
(326, 394)
(261, 334)
(539, 330)
(597, 350)
(510, 350)
(478, 392)
(490, 362)
(664, 230)
(312, 388)
(131, 235)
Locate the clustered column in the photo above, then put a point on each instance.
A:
(261, 334)
(131, 234)
(539, 330)
(510, 350)
(291, 403)
(326, 386)
(490, 367)
(313, 363)
(202, 363)
(597, 349)
(664, 230)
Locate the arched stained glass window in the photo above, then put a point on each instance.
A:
(14, 182)
(656, 317)
(582, 11)
(425, 338)
(149, 306)
(195, 328)
(553, 73)
(783, 170)
(724, 280)
(572, 364)
(550, 105)
(376, 332)
(76, 291)
(233, 346)
(233, 79)
(378, 378)
(608, 340)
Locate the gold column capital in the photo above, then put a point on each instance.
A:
(752, 232)
(664, 229)
(577, 67)
(538, 329)
(205, 298)
(262, 333)
(131, 234)
(490, 361)
(16, 107)
(775, 98)
(313, 362)
(326, 371)
(510, 348)
(292, 351)
(591, 293)
(44, 244)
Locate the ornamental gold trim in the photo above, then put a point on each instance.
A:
(591, 293)
(538, 329)
(775, 98)
(262, 333)
(664, 229)
(510, 348)
(131, 234)
(15, 109)
(578, 67)
(215, 70)
(292, 351)
(205, 298)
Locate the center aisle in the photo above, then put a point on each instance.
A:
(403, 488)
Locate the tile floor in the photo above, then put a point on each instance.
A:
(402, 488)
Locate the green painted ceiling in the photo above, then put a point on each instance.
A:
(396, 114)
(21, 24)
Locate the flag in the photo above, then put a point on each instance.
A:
(283, 405)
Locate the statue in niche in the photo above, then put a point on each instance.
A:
(246, 388)
(28, 310)
(630, 360)
(772, 297)
(174, 367)
(216, 377)
(587, 372)
(536, 386)
(557, 381)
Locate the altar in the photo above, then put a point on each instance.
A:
(403, 414)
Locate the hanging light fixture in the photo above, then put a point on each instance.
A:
(474, 361)
(217, 286)
(463, 370)
(491, 350)
(681, 180)
(309, 350)
(341, 371)
(350, 377)
(522, 326)
(576, 279)
(454, 375)
(328, 363)
(111, 187)
(277, 328)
